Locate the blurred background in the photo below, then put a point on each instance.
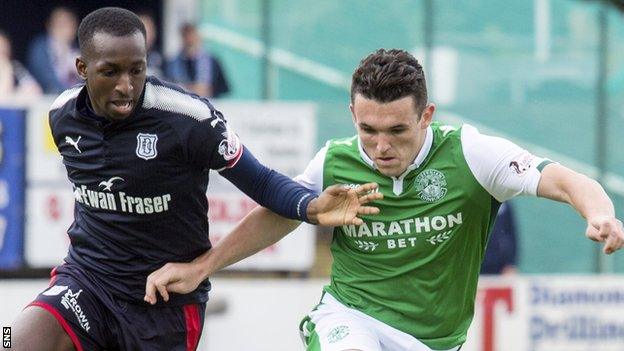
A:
(547, 74)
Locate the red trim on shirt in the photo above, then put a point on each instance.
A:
(68, 329)
(234, 161)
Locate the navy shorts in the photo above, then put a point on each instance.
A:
(94, 320)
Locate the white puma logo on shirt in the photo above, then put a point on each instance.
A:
(73, 143)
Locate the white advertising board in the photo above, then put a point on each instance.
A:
(49, 213)
(281, 135)
(558, 313)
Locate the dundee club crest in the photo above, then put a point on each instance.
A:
(431, 185)
(146, 146)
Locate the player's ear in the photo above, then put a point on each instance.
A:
(426, 117)
(352, 113)
(81, 68)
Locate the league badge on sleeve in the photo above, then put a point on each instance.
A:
(146, 146)
(230, 147)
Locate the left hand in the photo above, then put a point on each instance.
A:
(341, 204)
(181, 278)
(608, 230)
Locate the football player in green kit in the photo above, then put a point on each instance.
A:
(406, 279)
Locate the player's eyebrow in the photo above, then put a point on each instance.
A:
(116, 65)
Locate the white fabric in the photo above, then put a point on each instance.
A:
(170, 100)
(312, 177)
(65, 97)
(501, 167)
(358, 331)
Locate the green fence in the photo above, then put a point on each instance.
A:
(548, 74)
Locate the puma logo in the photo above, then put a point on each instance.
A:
(73, 143)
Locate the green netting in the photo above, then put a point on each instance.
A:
(523, 69)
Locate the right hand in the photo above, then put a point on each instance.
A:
(181, 278)
(341, 204)
(607, 230)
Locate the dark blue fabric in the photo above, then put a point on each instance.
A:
(101, 321)
(502, 248)
(269, 188)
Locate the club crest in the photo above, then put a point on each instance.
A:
(431, 185)
(146, 146)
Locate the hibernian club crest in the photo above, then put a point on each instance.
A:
(146, 146)
(431, 185)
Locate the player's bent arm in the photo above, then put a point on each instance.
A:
(562, 184)
(589, 198)
(260, 229)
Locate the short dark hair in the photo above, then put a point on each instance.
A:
(111, 20)
(389, 75)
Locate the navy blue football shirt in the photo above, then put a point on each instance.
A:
(140, 184)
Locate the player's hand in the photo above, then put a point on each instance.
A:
(341, 204)
(181, 278)
(607, 230)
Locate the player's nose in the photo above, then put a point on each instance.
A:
(383, 144)
(124, 85)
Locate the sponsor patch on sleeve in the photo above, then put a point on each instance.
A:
(230, 147)
(521, 163)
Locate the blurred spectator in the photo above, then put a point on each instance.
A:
(15, 80)
(501, 253)
(196, 68)
(155, 61)
(52, 55)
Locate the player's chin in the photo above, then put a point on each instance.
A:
(116, 115)
(389, 171)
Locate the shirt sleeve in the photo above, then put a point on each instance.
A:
(269, 188)
(501, 167)
(213, 144)
(312, 177)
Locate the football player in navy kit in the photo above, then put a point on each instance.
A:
(138, 152)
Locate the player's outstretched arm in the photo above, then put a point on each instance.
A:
(589, 198)
(337, 205)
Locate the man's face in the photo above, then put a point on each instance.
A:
(391, 133)
(62, 25)
(114, 68)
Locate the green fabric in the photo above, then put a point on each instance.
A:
(544, 163)
(415, 266)
(311, 341)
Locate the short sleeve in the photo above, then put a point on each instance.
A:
(501, 167)
(213, 144)
(312, 177)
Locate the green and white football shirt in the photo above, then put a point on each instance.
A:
(415, 266)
